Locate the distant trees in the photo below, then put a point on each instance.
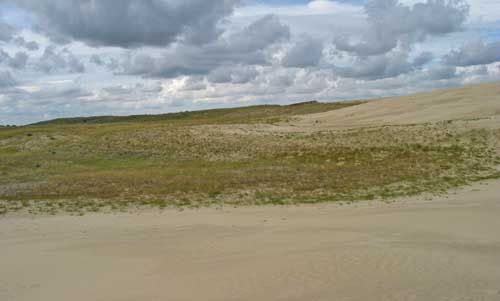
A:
(7, 126)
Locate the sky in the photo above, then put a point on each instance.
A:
(68, 58)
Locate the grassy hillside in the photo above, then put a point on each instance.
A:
(252, 114)
(231, 156)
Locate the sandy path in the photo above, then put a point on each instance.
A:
(446, 249)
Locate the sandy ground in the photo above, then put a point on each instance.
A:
(444, 249)
(470, 102)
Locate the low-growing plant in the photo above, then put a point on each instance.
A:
(201, 159)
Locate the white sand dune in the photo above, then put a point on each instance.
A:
(446, 249)
(472, 102)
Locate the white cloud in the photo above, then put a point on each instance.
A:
(289, 57)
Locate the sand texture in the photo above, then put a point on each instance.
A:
(444, 249)
(467, 103)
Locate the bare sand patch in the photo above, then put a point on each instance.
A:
(467, 103)
(444, 249)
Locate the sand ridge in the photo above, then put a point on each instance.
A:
(470, 102)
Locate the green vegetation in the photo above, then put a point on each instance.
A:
(231, 157)
(253, 114)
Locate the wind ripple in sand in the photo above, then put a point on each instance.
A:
(447, 249)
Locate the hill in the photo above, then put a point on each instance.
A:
(471, 102)
(251, 114)
(305, 153)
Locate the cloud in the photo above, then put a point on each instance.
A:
(441, 72)
(19, 60)
(130, 23)
(127, 90)
(474, 53)
(95, 59)
(311, 83)
(306, 52)
(423, 58)
(377, 67)
(311, 8)
(248, 46)
(233, 74)
(53, 60)
(31, 45)
(193, 83)
(109, 63)
(391, 24)
(6, 80)
(22, 105)
(6, 32)
(63, 99)
(4, 56)
(147, 56)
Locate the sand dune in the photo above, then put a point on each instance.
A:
(471, 102)
(445, 249)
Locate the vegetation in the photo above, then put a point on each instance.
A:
(231, 157)
(253, 114)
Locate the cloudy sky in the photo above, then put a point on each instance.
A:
(63, 58)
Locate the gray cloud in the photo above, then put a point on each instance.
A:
(441, 72)
(6, 32)
(248, 46)
(108, 62)
(474, 53)
(233, 74)
(311, 83)
(31, 45)
(18, 61)
(70, 99)
(391, 23)
(130, 23)
(53, 60)
(6, 79)
(205, 57)
(423, 58)
(194, 83)
(4, 56)
(305, 52)
(277, 82)
(21, 106)
(137, 89)
(139, 64)
(220, 75)
(113, 64)
(377, 67)
(95, 59)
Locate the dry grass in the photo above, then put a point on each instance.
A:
(94, 167)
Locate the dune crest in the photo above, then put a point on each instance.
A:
(470, 102)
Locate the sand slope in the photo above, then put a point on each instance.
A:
(471, 102)
(447, 249)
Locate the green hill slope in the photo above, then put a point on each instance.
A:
(252, 114)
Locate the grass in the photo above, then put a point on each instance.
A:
(252, 114)
(228, 157)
